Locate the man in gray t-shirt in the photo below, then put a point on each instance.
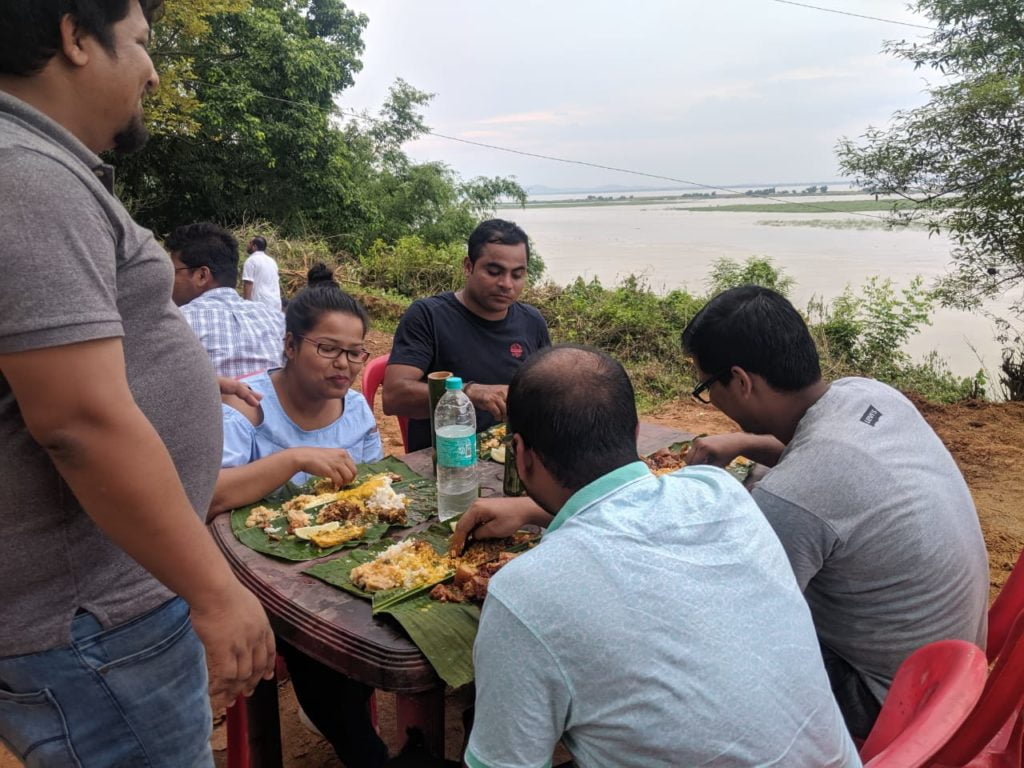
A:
(875, 517)
(658, 622)
(110, 426)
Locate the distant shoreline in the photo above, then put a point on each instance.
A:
(624, 199)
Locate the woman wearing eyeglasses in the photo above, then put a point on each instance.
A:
(310, 421)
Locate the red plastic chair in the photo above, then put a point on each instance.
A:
(238, 735)
(991, 736)
(1005, 610)
(373, 376)
(933, 692)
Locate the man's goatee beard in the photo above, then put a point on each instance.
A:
(132, 138)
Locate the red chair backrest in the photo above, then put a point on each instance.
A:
(373, 376)
(1005, 610)
(933, 692)
(998, 707)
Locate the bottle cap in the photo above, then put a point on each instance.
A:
(453, 382)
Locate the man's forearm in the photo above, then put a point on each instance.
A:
(410, 399)
(764, 449)
(122, 475)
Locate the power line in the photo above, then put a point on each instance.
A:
(554, 158)
(613, 168)
(854, 15)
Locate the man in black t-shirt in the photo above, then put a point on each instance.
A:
(481, 333)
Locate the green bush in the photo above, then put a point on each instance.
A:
(726, 274)
(858, 333)
(412, 267)
(629, 322)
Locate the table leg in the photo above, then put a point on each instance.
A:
(264, 726)
(426, 712)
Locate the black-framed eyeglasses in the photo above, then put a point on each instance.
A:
(178, 269)
(700, 389)
(333, 351)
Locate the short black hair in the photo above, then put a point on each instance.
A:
(207, 245)
(260, 243)
(320, 295)
(574, 406)
(30, 29)
(496, 231)
(758, 330)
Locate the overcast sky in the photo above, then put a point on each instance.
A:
(712, 91)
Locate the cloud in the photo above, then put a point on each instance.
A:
(481, 134)
(548, 117)
(803, 74)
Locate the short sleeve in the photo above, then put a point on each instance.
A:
(543, 338)
(249, 271)
(371, 448)
(239, 437)
(58, 257)
(808, 540)
(414, 339)
(522, 699)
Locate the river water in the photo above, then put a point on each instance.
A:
(674, 248)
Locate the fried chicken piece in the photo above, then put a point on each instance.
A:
(464, 573)
(342, 511)
(446, 594)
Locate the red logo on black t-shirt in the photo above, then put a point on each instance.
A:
(516, 349)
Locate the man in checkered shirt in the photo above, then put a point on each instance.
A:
(241, 337)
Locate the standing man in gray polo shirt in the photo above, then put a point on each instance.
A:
(658, 622)
(875, 517)
(110, 427)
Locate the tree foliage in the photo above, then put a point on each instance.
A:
(961, 156)
(246, 126)
(726, 274)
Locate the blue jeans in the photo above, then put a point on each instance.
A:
(133, 695)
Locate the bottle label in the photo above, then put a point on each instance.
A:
(456, 451)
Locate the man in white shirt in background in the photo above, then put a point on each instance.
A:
(259, 275)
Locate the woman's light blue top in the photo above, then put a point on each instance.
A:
(356, 430)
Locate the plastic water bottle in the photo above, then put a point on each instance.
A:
(455, 430)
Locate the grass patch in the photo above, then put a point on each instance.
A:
(841, 224)
(830, 206)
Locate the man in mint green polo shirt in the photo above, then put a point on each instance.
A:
(658, 623)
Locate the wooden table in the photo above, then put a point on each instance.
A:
(337, 629)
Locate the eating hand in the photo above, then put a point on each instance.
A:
(495, 518)
(489, 397)
(333, 463)
(717, 450)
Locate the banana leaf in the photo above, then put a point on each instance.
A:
(444, 632)
(421, 492)
(337, 572)
(294, 548)
(485, 453)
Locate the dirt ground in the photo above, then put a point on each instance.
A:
(984, 438)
